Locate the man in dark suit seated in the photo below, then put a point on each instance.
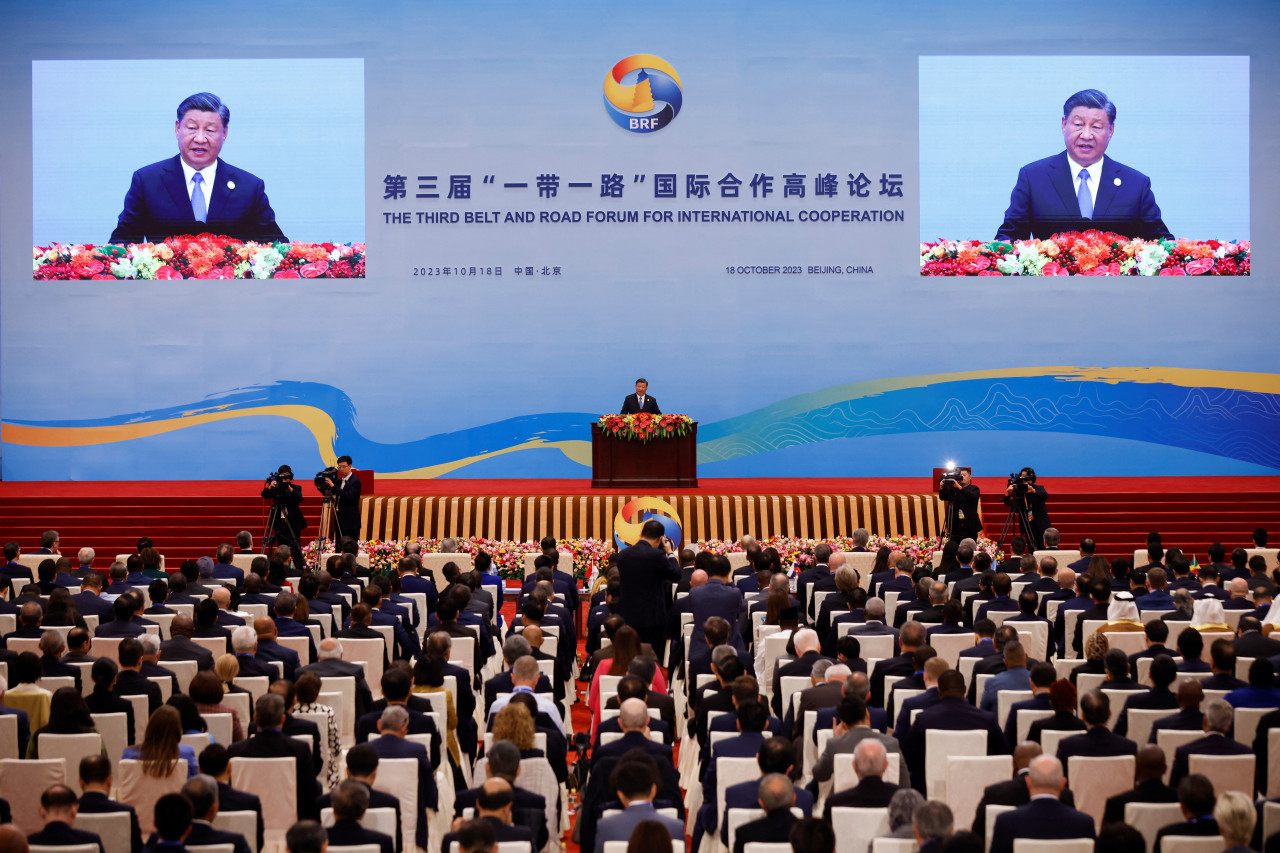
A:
(180, 647)
(640, 401)
(397, 687)
(95, 782)
(635, 781)
(331, 665)
(808, 651)
(173, 814)
(634, 687)
(89, 600)
(528, 809)
(952, 713)
(195, 191)
(1044, 816)
(871, 761)
(130, 681)
(350, 801)
(52, 647)
(121, 624)
(308, 836)
(633, 720)
(362, 768)
(202, 791)
(244, 644)
(774, 757)
(272, 742)
(294, 727)
(1013, 792)
(776, 795)
(1218, 717)
(1148, 785)
(270, 651)
(495, 802)
(1157, 633)
(393, 726)
(1080, 188)
(1097, 741)
(1163, 673)
(1189, 717)
(150, 662)
(1196, 797)
(716, 597)
(214, 761)
(58, 807)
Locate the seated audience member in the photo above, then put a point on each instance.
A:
(636, 786)
(58, 808)
(933, 823)
(1159, 698)
(1218, 716)
(216, 762)
(1012, 792)
(1044, 816)
(95, 782)
(202, 791)
(871, 761)
(173, 816)
(1098, 740)
(1148, 785)
(1236, 817)
(1188, 717)
(811, 835)
(350, 801)
(1196, 798)
(777, 795)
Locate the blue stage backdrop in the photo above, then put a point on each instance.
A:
(554, 199)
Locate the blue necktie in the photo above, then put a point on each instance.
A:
(198, 209)
(1083, 197)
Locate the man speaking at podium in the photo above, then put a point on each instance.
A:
(640, 401)
(1080, 188)
(195, 192)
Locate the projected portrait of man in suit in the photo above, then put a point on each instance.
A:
(1081, 188)
(195, 191)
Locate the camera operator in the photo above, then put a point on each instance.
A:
(1022, 486)
(344, 486)
(287, 519)
(956, 487)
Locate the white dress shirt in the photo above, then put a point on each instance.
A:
(1095, 178)
(208, 174)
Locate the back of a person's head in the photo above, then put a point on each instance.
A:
(812, 835)
(350, 800)
(308, 836)
(1118, 838)
(1195, 795)
(173, 815)
(474, 836)
(933, 820)
(635, 775)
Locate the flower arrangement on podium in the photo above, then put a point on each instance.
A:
(202, 256)
(645, 427)
(1085, 253)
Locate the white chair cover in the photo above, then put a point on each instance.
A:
(241, 823)
(72, 748)
(141, 791)
(114, 828)
(275, 782)
(1192, 844)
(967, 777)
(940, 744)
(1150, 818)
(855, 828)
(21, 784)
(1104, 777)
(1226, 772)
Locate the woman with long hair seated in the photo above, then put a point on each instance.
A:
(428, 677)
(68, 715)
(206, 691)
(307, 691)
(162, 745)
(61, 610)
(192, 722)
(626, 648)
(103, 698)
(515, 723)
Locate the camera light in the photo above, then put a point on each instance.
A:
(951, 464)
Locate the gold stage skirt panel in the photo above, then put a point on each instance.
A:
(702, 517)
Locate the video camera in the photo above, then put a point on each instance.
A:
(951, 475)
(325, 479)
(279, 482)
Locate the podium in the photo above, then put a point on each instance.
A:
(663, 463)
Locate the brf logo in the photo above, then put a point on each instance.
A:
(627, 532)
(643, 93)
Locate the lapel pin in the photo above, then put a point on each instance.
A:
(232, 184)
(1116, 182)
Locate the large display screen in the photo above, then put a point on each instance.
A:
(848, 239)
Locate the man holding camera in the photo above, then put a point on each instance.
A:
(957, 488)
(1027, 500)
(344, 486)
(287, 519)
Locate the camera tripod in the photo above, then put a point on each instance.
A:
(329, 519)
(277, 514)
(1018, 509)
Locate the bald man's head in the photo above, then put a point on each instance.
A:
(221, 596)
(533, 635)
(265, 627)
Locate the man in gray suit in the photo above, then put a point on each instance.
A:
(636, 787)
(853, 724)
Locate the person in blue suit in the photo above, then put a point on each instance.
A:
(196, 191)
(1081, 188)
(636, 787)
(716, 597)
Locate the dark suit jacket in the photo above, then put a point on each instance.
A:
(333, 668)
(92, 802)
(714, 599)
(1096, 742)
(203, 833)
(179, 648)
(59, 834)
(349, 833)
(348, 505)
(951, 714)
(428, 796)
(773, 828)
(1148, 791)
(643, 570)
(1011, 792)
(871, 792)
(1210, 744)
(273, 743)
(231, 800)
(157, 206)
(1043, 202)
(631, 405)
(1204, 826)
(802, 665)
(130, 683)
(1044, 818)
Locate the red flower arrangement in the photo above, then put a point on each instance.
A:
(645, 427)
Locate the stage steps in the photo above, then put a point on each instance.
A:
(188, 526)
